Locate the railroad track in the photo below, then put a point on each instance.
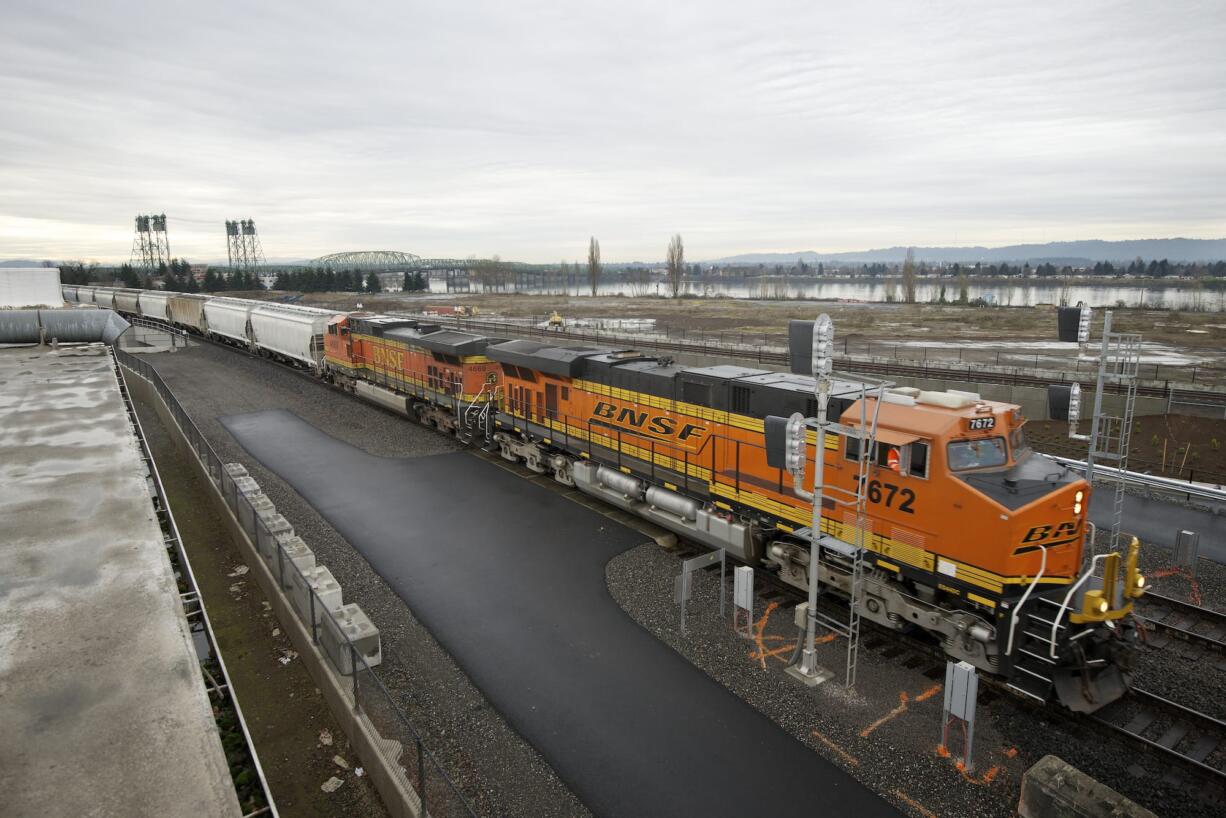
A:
(1194, 740)
(1165, 619)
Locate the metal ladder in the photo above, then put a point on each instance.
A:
(856, 501)
(1111, 435)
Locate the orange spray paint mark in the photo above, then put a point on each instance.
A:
(903, 704)
(913, 804)
(851, 760)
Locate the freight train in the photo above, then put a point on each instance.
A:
(969, 535)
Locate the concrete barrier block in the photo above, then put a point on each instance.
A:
(247, 486)
(327, 591)
(296, 554)
(1053, 788)
(247, 512)
(275, 529)
(236, 470)
(350, 624)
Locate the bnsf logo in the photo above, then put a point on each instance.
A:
(656, 424)
(1052, 535)
(390, 358)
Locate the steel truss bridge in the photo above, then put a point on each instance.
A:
(387, 260)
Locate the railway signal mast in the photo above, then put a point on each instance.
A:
(828, 553)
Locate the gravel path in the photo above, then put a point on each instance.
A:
(493, 766)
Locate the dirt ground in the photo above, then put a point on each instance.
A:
(1179, 446)
(295, 735)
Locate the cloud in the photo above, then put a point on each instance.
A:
(521, 129)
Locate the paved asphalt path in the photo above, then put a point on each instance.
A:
(510, 578)
(1155, 521)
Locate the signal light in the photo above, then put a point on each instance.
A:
(795, 446)
(1083, 325)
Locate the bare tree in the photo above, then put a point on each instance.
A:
(963, 287)
(676, 264)
(593, 264)
(908, 276)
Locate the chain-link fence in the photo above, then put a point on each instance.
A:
(398, 741)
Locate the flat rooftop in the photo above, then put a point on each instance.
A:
(102, 707)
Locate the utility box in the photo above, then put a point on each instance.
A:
(349, 624)
(327, 590)
(1187, 549)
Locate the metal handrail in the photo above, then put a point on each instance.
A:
(1148, 480)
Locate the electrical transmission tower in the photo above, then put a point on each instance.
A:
(151, 245)
(243, 246)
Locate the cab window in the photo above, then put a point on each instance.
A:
(977, 454)
(918, 460)
(1017, 440)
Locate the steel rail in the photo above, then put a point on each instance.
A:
(1201, 615)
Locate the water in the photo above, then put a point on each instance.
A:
(1011, 294)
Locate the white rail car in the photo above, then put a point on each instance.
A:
(295, 333)
(155, 304)
(187, 311)
(70, 293)
(227, 319)
(128, 301)
(104, 297)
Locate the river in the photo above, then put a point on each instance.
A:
(1025, 293)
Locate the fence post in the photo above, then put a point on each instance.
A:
(353, 669)
(314, 621)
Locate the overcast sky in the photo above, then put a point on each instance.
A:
(450, 129)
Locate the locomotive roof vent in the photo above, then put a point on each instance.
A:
(950, 399)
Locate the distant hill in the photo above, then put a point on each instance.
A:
(1062, 252)
(21, 263)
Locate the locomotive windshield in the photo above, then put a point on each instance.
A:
(977, 454)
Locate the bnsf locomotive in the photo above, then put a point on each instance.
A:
(970, 535)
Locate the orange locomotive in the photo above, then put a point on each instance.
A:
(440, 377)
(970, 535)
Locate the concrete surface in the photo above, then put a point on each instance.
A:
(510, 578)
(1159, 521)
(102, 707)
(1053, 788)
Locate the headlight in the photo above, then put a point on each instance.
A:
(1139, 582)
(1077, 507)
(1103, 606)
(1079, 496)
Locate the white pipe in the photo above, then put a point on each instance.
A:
(1022, 602)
